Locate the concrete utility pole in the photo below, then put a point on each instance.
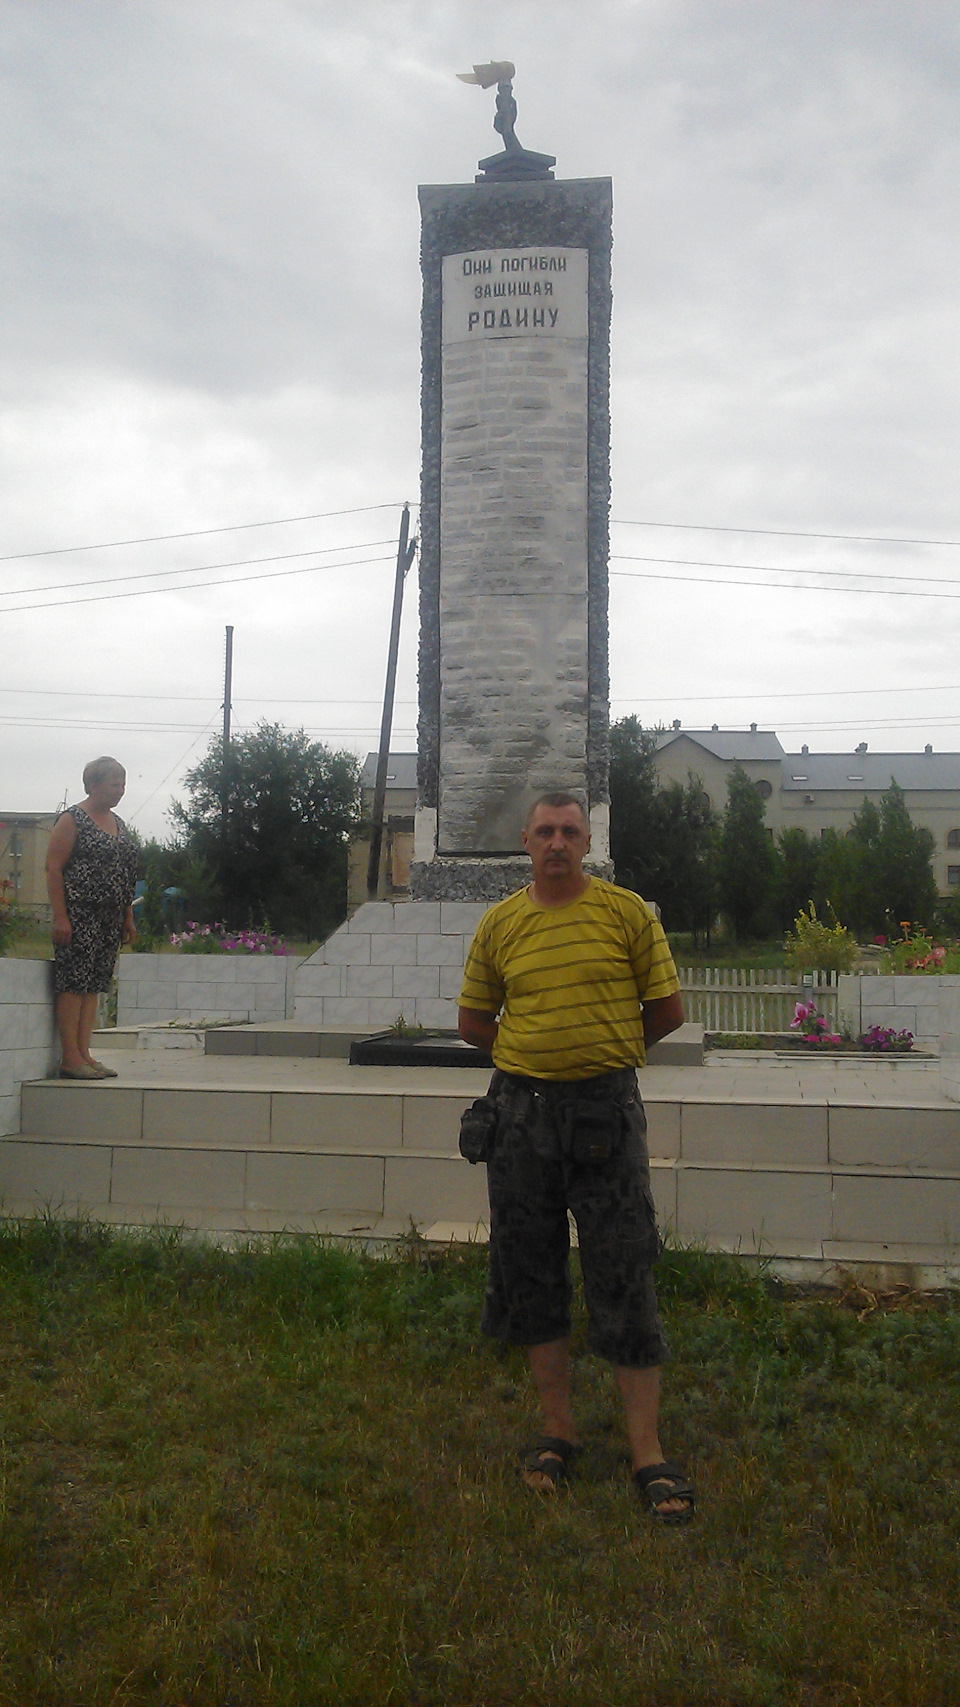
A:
(405, 555)
(225, 754)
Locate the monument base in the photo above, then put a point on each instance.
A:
(487, 879)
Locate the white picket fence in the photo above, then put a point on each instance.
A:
(740, 998)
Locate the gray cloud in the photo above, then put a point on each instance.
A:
(210, 295)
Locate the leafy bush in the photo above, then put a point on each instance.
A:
(12, 918)
(947, 916)
(816, 946)
(917, 952)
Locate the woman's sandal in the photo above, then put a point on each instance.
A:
(549, 1457)
(657, 1483)
(83, 1072)
(104, 1072)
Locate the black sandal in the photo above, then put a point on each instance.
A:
(549, 1456)
(659, 1482)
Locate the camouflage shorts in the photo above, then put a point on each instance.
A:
(533, 1181)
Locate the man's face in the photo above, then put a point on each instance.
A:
(557, 840)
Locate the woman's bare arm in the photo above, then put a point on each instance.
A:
(62, 838)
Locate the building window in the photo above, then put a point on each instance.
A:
(953, 838)
(953, 874)
(764, 788)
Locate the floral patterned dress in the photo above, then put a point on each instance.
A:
(98, 881)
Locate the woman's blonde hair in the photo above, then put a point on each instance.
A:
(98, 769)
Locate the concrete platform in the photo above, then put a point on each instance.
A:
(814, 1164)
(684, 1048)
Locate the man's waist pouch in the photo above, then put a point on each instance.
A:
(478, 1129)
(586, 1118)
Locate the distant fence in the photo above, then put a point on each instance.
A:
(740, 998)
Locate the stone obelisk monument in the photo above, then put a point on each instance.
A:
(513, 569)
(514, 511)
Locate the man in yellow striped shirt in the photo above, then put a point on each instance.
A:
(568, 983)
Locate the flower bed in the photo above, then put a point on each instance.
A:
(217, 939)
(816, 1034)
(787, 1043)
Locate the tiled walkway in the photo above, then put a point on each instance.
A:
(732, 1077)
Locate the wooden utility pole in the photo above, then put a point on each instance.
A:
(405, 555)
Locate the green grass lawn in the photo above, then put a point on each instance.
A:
(286, 1476)
(727, 953)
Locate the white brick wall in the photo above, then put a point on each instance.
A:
(153, 988)
(391, 958)
(902, 1002)
(948, 1013)
(28, 1034)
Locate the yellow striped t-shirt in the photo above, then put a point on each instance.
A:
(570, 980)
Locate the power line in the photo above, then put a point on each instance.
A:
(786, 533)
(197, 698)
(138, 725)
(194, 586)
(182, 759)
(366, 509)
(679, 562)
(813, 693)
(771, 586)
(199, 568)
(342, 699)
(944, 721)
(786, 569)
(877, 723)
(193, 533)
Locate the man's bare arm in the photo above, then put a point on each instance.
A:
(662, 1017)
(477, 1027)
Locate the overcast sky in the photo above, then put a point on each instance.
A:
(210, 302)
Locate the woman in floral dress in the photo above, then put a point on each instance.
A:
(91, 870)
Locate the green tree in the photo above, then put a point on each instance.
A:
(663, 841)
(633, 796)
(881, 871)
(849, 879)
(686, 831)
(904, 862)
(747, 873)
(799, 872)
(291, 806)
(173, 865)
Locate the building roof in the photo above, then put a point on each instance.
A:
(731, 745)
(870, 772)
(805, 772)
(401, 770)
